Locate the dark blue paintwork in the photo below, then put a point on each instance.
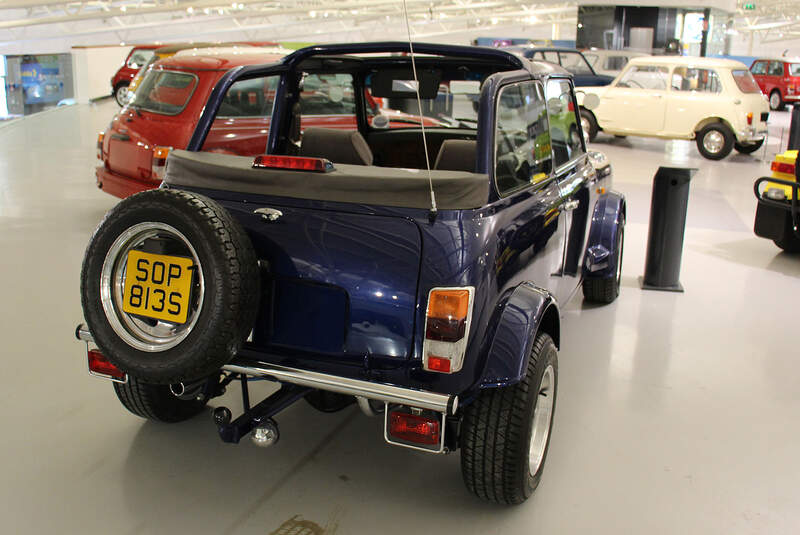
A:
(590, 79)
(601, 257)
(346, 285)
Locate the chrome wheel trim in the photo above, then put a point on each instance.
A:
(156, 335)
(619, 258)
(713, 141)
(774, 100)
(121, 95)
(585, 128)
(542, 417)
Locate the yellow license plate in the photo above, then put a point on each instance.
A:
(157, 286)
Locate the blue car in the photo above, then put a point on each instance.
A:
(571, 59)
(333, 262)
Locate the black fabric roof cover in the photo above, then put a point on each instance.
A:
(361, 184)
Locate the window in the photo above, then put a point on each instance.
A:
(644, 77)
(522, 137)
(139, 58)
(574, 63)
(745, 81)
(165, 92)
(760, 67)
(775, 68)
(690, 79)
(552, 57)
(328, 94)
(241, 126)
(564, 136)
(794, 69)
(615, 63)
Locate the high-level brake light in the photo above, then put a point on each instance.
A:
(294, 163)
(447, 328)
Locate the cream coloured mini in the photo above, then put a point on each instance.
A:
(713, 101)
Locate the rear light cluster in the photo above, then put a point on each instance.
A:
(781, 167)
(101, 367)
(100, 138)
(294, 163)
(159, 165)
(447, 328)
(414, 428)
(750, 118)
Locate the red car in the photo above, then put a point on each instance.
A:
(137, 57)
(779, 79)
(168, 102)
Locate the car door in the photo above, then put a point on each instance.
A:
(636, 102)
(572, 175)
(529, 236)
(759, 72)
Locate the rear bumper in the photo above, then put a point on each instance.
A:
(386, 393)
(121, 186)
(751, 134)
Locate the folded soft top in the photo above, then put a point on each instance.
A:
(362, 184)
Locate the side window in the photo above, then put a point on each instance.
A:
(564, 136)
(522, 137)
(550, 56)
(328, 94)
(615, 63)
(242, 122)
(776, 68)
(703, 80)
(760, 67)
(139, 58)
(644, 77)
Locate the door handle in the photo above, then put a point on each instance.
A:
(268, 214)
(570, 205)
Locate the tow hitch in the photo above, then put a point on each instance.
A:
(257, 419)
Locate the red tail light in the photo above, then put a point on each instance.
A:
(749, 118)
(159, 165)
(295, 163)
(415, 428)
(780, 167)
(447, 328)
(100, 366)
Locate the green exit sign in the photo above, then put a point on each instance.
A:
(749, 7)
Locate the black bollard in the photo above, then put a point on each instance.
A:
(670, 198)
(794, 129)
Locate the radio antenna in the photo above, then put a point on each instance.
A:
(432, 214)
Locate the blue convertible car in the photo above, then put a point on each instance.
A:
(417, 274)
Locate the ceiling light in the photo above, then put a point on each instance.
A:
(190, 10)
(494, 20)
(124, 8)
(312, 14)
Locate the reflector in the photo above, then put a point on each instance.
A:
(296, 163)
(414, 428)
(99, 365)
(438, 364)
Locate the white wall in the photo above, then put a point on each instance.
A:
(741, 46)
(92, 69)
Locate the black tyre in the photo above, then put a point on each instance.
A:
(606, 290)
(506, 431)
(121, 94)
(775, 101)
(588, 125)
(156, 402)
(715, 141)
(749, 148)
(218, 300)
(790, 243)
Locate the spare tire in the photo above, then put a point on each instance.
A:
(191, 296)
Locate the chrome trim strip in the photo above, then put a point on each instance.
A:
(355, 387)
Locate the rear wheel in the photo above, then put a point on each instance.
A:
(121, 94)
(748, 148)
(775, 100)
(715, 141)
(506, 431)
(157, 402)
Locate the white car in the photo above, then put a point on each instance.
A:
(714, 101)
(609, 62)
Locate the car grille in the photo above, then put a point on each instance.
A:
(764, 116)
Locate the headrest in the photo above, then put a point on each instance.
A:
(457, 155)
(338, 146)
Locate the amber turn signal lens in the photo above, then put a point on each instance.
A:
(448, 304)
(160, 152)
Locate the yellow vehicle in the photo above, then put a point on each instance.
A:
(778, 211)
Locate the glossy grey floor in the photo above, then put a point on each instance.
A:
(676, 413)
